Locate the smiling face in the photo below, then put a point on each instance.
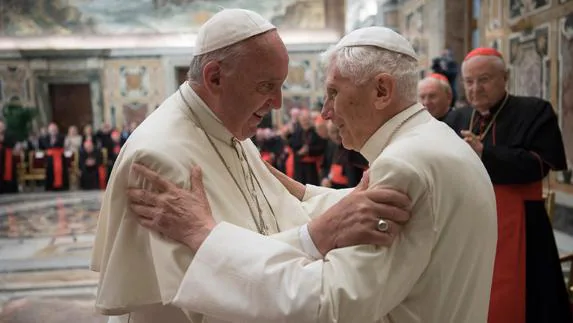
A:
(249, 87)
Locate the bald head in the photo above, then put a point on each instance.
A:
(435, 95)
(485, 81)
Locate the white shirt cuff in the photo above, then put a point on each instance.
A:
(307, 244)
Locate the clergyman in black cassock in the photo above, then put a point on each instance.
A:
(8, 165)
(90, 162)
(57, 172)
(521, 141)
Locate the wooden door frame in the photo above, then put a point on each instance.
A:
(45, 78)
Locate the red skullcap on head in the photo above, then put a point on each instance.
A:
(438, 76)
(483, 51)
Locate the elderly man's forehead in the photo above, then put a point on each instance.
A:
(332, 75)
(483, 65)
(429, 83)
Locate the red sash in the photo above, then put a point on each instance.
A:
(310, 159)
(102, 173)
(57, 155)
(507, 300)
(289, 164)
(267, 156)
(8, 164)
(316, 160)
(336, 175)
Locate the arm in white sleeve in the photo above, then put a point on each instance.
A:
(317, 199)
(240, 276)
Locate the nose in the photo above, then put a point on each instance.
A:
(326, 112)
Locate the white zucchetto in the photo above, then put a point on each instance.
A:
(381, 37)
(228, 27)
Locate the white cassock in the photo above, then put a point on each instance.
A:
(140, 272)
(439, 269)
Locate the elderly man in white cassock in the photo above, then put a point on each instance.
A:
(439, 268)
(235, 79)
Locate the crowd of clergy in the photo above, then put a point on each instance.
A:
(307, 148)
(60, 162)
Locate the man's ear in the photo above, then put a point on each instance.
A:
(212, 76)
(385, 88)
(506, 75)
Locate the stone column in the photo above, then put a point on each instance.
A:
(455, 26)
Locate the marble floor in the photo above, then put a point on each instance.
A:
(45, 245)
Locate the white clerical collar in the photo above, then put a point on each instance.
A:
(380, 139)
(211, 124)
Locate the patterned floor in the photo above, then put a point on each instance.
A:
(49, 214)
(45, 245)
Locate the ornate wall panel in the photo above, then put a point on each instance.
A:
(566, 83)
(529, 62)
(133, 88)
(16, 83)
(523, 8)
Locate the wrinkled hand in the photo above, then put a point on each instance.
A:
(180, 214)
(353, 220)
(473, 140)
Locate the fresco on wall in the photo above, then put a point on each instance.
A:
(300, 75)
(15, 83)
(107, 17)
(361, 13)
(134, 81)
(566, 83)
(528, 53)
(520, 8)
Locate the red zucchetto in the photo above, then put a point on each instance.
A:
(483, 51)
(439, 76)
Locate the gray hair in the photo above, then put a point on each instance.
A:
(361, 63)
(231, 53)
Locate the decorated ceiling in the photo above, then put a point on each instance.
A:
(112, 17)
